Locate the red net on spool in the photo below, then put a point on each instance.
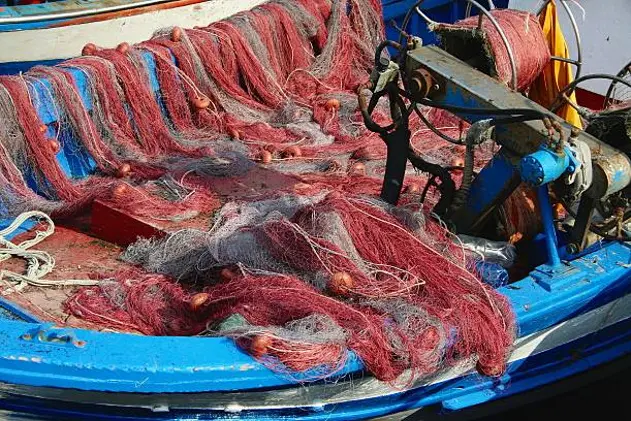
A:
(486, 50)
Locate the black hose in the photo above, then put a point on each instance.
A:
(475, 135)
(382, 45)
(576, 82)
(435, 130)
(447, 186)
(368, 121)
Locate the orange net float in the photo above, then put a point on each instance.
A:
(292, 152)
(176, 34)
(54, 146)
(124, 171)
(88, 49)
(123, 48)
(341, 283)
(198, 301)
(260, 345)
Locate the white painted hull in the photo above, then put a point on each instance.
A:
(67, 41)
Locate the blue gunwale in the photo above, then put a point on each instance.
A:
(121, 362)
(551, 365)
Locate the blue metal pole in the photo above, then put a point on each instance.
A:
(548, 226)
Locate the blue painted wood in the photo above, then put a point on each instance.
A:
(12, 311)
(544, 368)
(23, 66)
(132, 363)
(438, 10)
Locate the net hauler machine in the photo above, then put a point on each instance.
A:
(536, 149)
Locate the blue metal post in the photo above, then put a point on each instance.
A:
(548, 226)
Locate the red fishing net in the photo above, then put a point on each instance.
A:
(523, 34)
(298, 272)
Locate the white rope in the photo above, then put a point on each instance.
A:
(38, 263)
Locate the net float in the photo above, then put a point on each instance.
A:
(176, 35)
(270, 148)
(292, 152)
(198, 300)
(335, 195)
(260, 345)
(515, 238)
(358, 168)
(413, 188)
(457, 162)
(490, 370)
(43, 128)
(201, 102)
(55, 147)
(340, 283)
(119, 191)
(265, 157)
(123, 48)
(234, 134)
(124, 170)
(302, 187)
(227, 274)
(332, 104)
(88, 49)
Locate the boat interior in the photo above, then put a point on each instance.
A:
(159, 181)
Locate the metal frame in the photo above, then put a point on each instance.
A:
(626, 70)
(485, 12)
(467, 12)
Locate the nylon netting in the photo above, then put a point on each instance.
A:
(485, 47)
(297, 272)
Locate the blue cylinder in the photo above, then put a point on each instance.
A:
(544, 166)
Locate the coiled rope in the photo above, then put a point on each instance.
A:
(38, 263)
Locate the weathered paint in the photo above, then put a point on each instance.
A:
(67, 42)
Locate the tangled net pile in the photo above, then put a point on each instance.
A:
(298, 274)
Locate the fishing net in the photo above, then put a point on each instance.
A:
(252, 123)
(484, 48)
(378, 279)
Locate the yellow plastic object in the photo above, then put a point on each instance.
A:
(557, 74)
